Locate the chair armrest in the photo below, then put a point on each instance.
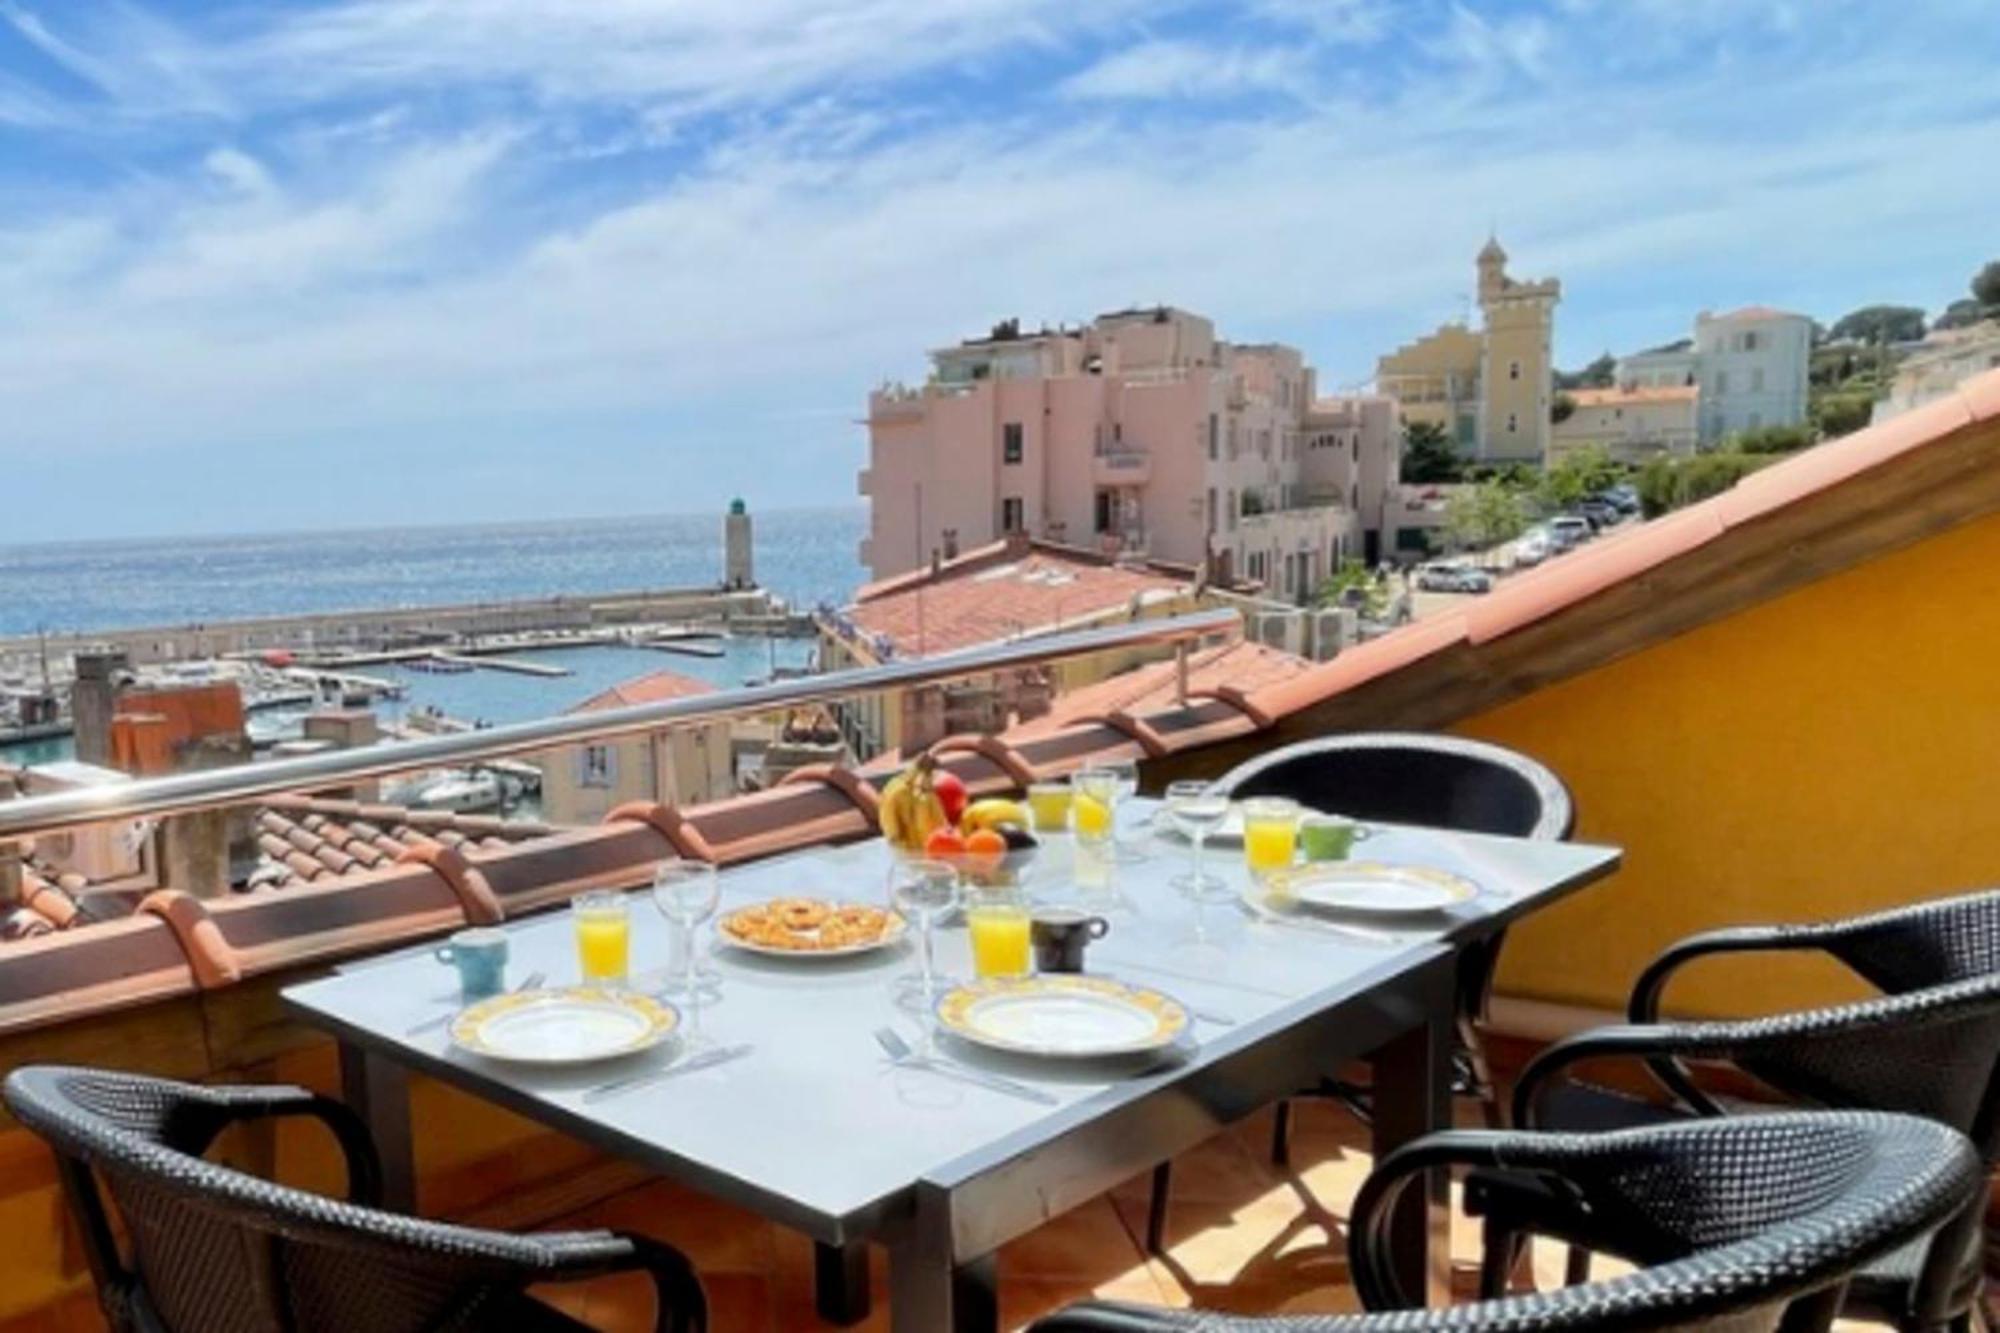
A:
(199, 1117)
(680, 1304)
(1644, 1006)
(1116, 1317)
(1661, 1046)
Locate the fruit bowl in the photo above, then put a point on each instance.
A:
(986, 869)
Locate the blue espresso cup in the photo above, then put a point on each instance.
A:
(480, 955)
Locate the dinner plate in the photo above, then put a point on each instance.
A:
(1069, 1017)
(569, 1026)
(891, 933)
(1370, 888)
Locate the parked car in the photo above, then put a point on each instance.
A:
(1568, 530)
(1453, 576)
(1624, 497)
(1601, 513)
(1532, 547)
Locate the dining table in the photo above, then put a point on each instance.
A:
(815, 1127)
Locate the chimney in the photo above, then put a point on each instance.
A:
(93, 701)
(937, 562)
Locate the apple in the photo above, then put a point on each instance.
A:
(951, 793)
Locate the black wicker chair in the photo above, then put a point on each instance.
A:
(213, 1250)
(1932, 1053)
(1407, 778)
(1742, 1226)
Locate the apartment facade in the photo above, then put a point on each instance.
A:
(1631, 423)
(1489, 389)
(1138, 433)
(1943, 361)
(1751, 366)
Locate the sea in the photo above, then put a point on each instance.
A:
(806, 556)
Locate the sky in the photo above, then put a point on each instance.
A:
(269, 265)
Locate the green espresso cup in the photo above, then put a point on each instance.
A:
(1329, 838)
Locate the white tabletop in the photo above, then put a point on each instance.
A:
(815, 1123)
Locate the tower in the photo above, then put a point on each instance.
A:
(1516, 371)
(737, 570)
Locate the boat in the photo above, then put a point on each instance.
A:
(462, 793)
(437, 666)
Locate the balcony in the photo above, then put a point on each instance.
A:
(1121, 465)
(1614, 653)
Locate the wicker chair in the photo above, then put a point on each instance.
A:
(1739, 1225)
(213, 1250)
(1407, 778)
(1931, 1053)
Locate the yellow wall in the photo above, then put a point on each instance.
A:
(1829, 752)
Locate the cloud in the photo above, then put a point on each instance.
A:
(549, 300)
(1169, 69)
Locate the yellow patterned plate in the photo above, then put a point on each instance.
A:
(1073, 1017)
(1370, 888)
(568, 1026)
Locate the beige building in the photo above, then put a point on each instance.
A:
(1632, 424)
(1945, 359)
(684, 766)
(1489, 389)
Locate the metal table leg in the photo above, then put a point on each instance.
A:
(930, 1291)
(1413, 1098)
(378, 1090)
(840, 1282)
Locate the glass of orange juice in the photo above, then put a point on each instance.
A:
(997, 920)
(1270, 833)
(603, 936)
(1049, 803)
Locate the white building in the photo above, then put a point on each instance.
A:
(1751, 366)
(1940, 364)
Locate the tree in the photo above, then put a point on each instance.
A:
(1482, 516)
(1881, 324)
(1599, 374)
(1561, 408)
(1770, 440)
(1838, 414)
(1576, 475)
(1986, 284)
(1429, 455)
(1962, 313)
(1355, 585)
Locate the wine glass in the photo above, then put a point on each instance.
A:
(1198, 809)
(923, 891)
(686, 894)
(1125, 778)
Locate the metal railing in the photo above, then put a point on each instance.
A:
(212, 788)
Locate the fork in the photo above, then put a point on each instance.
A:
(900, 1054)
(529, 982)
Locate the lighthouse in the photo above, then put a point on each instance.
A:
(737, 572)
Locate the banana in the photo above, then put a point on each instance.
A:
(992, 812)
(910, 809)
(895, 810)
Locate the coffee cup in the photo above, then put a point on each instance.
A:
(1061, 934)
(1329, 837)
(480, 955)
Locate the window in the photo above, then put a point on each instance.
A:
(1357, 446)
(1513, 370)
(1214, 435)
(1232, 511)
(1513, 423)
(1750, 341)
(1010, 514)
(1117, 431)
(1211, 509)
(1354, 496)
(1010, 442)
(1107, 506)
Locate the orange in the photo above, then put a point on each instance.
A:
(985, 842)
(944, 842)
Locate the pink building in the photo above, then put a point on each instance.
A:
(1140, 431)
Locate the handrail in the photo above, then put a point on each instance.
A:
(184, 792)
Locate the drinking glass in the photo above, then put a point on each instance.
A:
(686, 894)
(923, 891)
(996, 918)
(1125, 773)
(1093, 809)
(603, 936)
(1270, 834)
(1049, 803)
(1198, 809)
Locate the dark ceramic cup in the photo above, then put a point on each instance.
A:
(1061, 934)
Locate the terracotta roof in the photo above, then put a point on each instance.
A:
(1241, 666)
(980, 599)
(1852, 496)
(1750, 312)
(1665, 393)
(651, 688)
(305, 840)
